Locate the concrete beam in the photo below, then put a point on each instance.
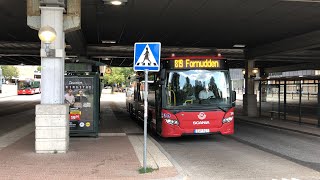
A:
(297, 43)
(302, 53)
(290, 58)
(72, 19)
(127, 51)
(302, 66)
(294, 57)
(20, 51)
(53, 3)
(12, 60)
(78, 42)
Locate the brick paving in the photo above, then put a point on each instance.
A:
(87, 158)
(110, 157)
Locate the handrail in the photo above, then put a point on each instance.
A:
(190, 100)
(174, 98)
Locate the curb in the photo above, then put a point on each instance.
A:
(8, 96)
(278, 127)
(158, 157)
(16, 134)
(302, 163)
(181, 173)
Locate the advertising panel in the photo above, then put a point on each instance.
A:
(79, 94)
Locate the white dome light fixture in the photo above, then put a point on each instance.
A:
(255, 71)
(47, 35)
(115, 2)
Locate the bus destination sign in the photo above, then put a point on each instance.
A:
(197, 64)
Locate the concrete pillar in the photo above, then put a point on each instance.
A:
(52, 69)
(52, 128)
(52, 115)
(249, 98)
(318, 99)
(0, 80)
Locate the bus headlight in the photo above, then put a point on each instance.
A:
(227, 120)
(172, 122)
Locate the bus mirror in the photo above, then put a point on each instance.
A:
(233, 96)
(162, 75)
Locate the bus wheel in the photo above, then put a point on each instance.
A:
(150, 128)
(131, 111)
(152, 131)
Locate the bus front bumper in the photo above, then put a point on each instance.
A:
(176, 131)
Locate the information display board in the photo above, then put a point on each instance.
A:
(82, 95)
(195, 63)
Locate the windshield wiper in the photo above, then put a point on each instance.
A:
(222, 109)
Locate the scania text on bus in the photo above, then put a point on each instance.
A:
(190, 95)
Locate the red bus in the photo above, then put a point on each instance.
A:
(190, 95)
(28, 86)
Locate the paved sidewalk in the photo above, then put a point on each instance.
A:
(6, 95)
(116, 154)
(8, 90)
(290, 125)
(281, 124)
(87, 158)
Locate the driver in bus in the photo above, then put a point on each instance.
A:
(206, 93)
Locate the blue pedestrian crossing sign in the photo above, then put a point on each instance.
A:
(147, 56)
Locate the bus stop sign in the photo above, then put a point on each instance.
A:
(147, 56)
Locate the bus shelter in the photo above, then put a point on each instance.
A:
(290, 98)
(82, 93)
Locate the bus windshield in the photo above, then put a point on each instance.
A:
(201, 89)
(25, 85)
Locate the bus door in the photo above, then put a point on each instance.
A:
(158, 107)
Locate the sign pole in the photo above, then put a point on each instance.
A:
(145, 119)
(146, 58)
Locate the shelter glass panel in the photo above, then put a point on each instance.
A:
(309, 103)
(269, 100)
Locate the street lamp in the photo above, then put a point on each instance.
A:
(255, 71)
(47, 35)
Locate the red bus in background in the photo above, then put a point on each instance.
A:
(28, 86)
(189, 96)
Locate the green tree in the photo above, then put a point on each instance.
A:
(9, 72)
(119, 75)
(39, 68)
